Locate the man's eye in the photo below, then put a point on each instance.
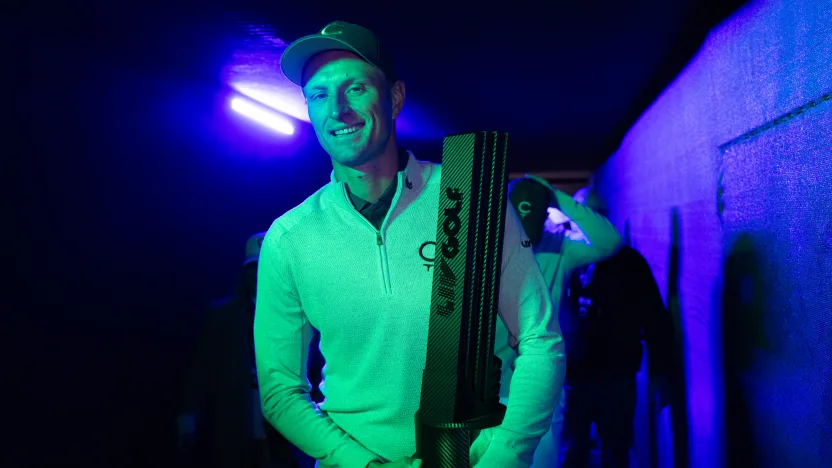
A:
(317, 97)
(356, 90)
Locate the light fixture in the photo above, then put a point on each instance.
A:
(286, 101)
(263, 115)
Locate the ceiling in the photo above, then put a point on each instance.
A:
(565, 80)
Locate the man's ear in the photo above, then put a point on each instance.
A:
(397, 95)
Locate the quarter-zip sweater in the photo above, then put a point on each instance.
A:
(368, 292)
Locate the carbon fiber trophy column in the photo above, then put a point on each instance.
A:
(461, 382)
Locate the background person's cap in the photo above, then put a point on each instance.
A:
(530, 195)
(337, 35)
(253, 246)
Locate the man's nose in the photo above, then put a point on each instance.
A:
(338, 107)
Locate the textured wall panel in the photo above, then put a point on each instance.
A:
(777, 300)
(701, 158)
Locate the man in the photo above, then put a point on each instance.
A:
(557, 254)
(221, 384)
(355, 261)
(611, 306)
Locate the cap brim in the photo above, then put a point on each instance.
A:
(295, 56)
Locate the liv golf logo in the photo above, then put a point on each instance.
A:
(428, 253)
(450, 248)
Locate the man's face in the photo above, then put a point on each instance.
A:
(351, 105)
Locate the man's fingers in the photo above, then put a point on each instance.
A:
(410, 462)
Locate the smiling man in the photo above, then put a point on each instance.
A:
(350, 261)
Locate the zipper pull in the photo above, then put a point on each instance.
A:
(378, 239)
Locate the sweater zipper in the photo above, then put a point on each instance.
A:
(382, 248)
(385, 268)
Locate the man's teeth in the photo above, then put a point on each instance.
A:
(348, 130)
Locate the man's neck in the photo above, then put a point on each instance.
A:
(369, 181)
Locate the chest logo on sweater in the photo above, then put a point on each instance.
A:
(428, 253)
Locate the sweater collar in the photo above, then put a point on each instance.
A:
(410, 178)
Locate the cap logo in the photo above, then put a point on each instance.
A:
(332, 30)
(524, 208)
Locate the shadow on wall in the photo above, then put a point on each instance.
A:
(826, 450)
(679, 398)
(743, 335)
(628, 238)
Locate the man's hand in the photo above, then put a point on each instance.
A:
(406, 462)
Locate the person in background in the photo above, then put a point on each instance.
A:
(611, 305)
(316, 367)
(354, 261)
(557, 254)
(220, 390)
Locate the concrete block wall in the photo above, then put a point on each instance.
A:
(725, 185)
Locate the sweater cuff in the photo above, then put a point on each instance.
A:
(498, 455)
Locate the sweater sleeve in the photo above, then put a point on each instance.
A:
(537, 382)
(281, 338)
(603, 238)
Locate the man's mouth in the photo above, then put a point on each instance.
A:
(346, 130)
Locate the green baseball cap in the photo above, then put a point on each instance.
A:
(337, 35)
